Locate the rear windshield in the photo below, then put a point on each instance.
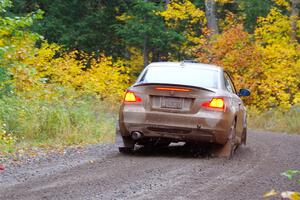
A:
(207, 78)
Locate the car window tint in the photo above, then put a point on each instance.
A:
(207, 78)
(228, 84)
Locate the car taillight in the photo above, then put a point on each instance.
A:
(215, 103)
(130, 97)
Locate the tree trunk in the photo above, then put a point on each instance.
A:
(146, 45)
(294, 18)
(146, 51)
(210, 12)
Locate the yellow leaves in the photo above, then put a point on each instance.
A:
(297, 98)
(279, 63)
(271, 193)
(182, 10)
(57, 76)
(124, 17)
(284, 195)
(274, 28)
(106, 79)
(2, 42)
(5, 138)
(283, 3)
(190, 20)
(49, 73)
(136, 60)
(225, 1)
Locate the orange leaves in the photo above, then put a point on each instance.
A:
(267, 62)
(232, 49)
(267, 66)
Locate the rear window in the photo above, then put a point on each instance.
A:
(207, 78)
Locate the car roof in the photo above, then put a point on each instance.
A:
(185, 64)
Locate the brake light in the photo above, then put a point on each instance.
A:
(130, 97)
(173, 89)
(215, 103)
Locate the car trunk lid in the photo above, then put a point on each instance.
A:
(173, 98)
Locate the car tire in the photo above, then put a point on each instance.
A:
(128, 145)
(244, 136)
(126, 150)
(232, 140)
(227, 150)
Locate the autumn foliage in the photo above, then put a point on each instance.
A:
(35, 72)
(266, 62)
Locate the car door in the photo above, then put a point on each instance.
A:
(238, 104)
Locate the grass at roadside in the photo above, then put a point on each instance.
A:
(277, 120)
(27, 123)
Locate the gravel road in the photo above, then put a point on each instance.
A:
(101, 172)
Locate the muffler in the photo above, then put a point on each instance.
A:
(135, 135)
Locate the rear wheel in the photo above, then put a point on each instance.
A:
(227, 150)
(244, 136)
(128, 145)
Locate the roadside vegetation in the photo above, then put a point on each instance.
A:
(62, 77)
(79, 121)
(276, 120)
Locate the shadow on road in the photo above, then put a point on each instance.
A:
(202, 151)
(182, 151)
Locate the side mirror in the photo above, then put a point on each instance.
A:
(244, 93)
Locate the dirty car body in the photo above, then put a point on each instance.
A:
(183, 102)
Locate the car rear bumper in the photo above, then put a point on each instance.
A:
(177, 133)
(205, 126)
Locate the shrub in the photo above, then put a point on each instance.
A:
(6, 140)
(277, 120)
(63, 122)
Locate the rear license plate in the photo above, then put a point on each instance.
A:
(174, 103)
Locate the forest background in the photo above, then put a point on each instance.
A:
(64, 65)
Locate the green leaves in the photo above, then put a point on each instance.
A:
(15, 42)
(291, 174)
(4, 4)
(142, 20)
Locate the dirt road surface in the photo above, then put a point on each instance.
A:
(101, 172)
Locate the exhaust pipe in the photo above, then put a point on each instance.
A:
(136, 135)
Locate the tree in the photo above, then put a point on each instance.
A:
(211, 16)
(142, 27)
(251, 10)
(187, 19)
(16, 42)
(83, 25)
